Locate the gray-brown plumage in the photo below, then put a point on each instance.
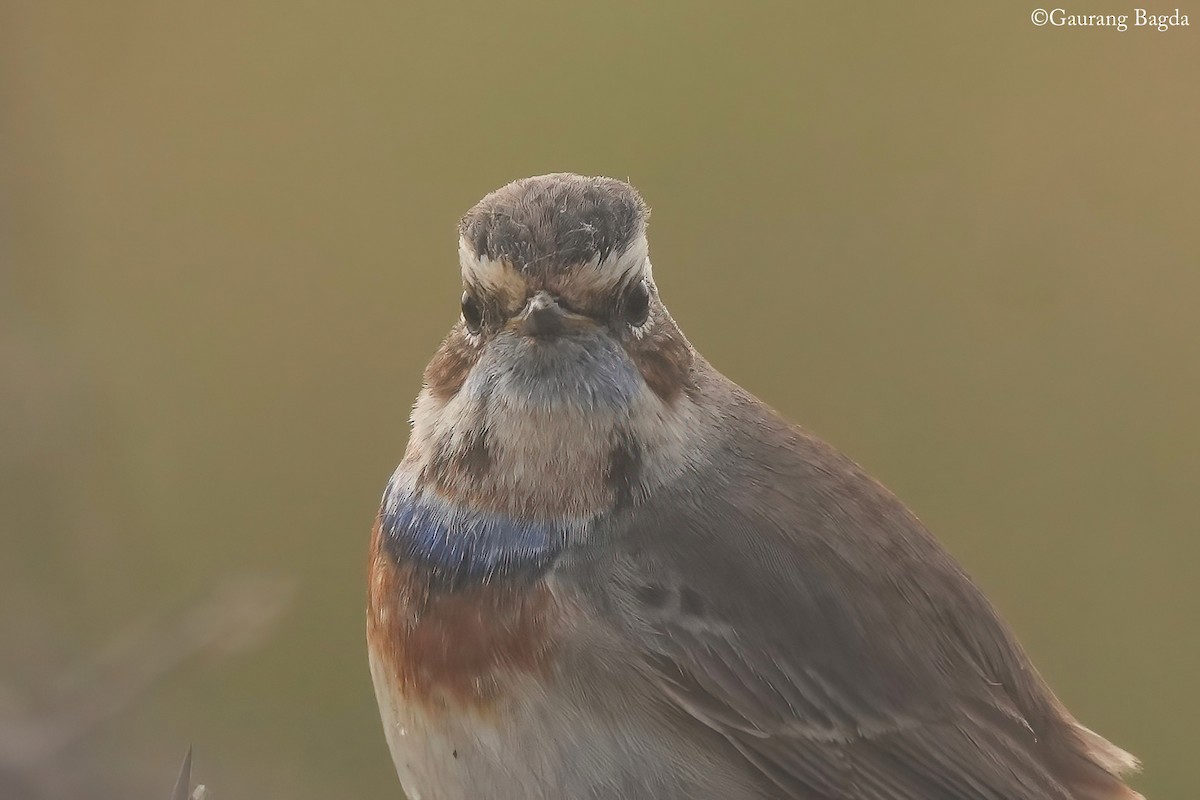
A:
(603, 570)
(551, 223)
(784, 599)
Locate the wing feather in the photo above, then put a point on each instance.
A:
(807, 617)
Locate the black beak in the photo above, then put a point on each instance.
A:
(543, 317)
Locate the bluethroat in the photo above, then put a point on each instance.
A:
(603, 570)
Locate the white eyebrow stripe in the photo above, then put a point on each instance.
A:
(483, 271)
(632, 263)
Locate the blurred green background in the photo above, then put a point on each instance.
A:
(964, 249)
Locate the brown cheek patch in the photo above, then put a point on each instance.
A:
(665, 361)
(450, 366)
(456, 647)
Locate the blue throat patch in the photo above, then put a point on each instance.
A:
(460, 546)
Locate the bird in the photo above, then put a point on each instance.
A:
(604, 570)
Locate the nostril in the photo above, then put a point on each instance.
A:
(564, 305)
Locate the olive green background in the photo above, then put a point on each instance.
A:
(962, 248)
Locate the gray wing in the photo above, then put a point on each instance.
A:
(794, 606)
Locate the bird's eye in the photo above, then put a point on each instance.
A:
(472, 313)
(636, 306)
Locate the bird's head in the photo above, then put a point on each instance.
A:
(559, 304)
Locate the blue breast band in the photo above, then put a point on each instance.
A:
(462, 545)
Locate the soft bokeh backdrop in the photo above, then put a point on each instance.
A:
(962, 248)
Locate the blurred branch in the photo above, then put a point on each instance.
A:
(35, 748)
(184, 781)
